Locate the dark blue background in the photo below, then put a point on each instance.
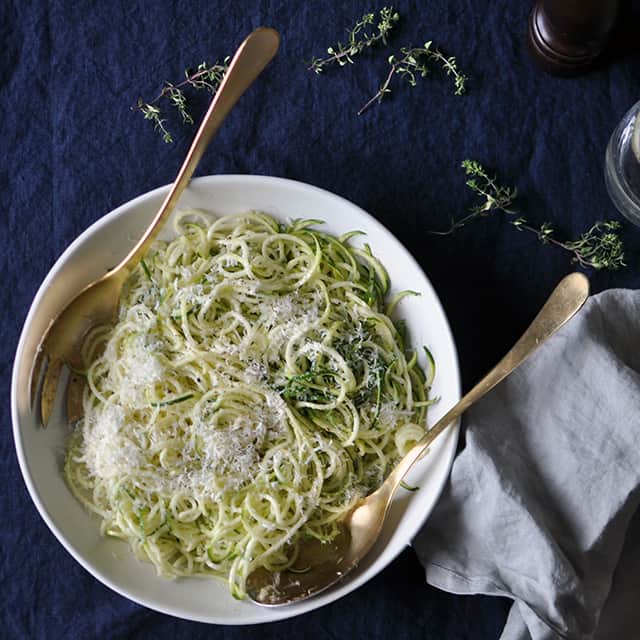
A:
(72, 150)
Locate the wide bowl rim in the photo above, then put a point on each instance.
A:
(274, 613)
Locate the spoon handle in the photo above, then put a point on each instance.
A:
(252, 56)
(565, 301)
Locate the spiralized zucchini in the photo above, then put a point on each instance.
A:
(252, 390)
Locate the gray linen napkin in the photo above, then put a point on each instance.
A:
(543, 495)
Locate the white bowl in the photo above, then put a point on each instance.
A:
(41, 451)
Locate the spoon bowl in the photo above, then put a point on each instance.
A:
(72, 320)
(326, 564)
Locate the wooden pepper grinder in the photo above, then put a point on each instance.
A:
(567, 36)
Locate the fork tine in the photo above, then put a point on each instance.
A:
(39, 366)
(75, 388)
(49, 389)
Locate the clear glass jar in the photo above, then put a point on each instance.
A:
(622, 165)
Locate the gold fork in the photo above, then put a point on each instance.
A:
(97, 303)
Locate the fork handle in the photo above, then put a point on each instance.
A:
(253, 55)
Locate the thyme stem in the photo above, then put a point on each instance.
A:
(359, 40)
(414, 63)
(207, 77)
(198, 80)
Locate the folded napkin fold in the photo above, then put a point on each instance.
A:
(540, 503)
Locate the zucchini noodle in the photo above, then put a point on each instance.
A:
(251, 392)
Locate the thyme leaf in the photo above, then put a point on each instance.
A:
(309, 386)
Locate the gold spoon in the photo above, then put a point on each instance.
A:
(330, 563)
(97, 303)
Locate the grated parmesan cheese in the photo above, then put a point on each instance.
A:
(235, 404)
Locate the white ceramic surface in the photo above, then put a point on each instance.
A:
(41, 451)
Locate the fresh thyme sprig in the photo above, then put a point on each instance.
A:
(205, 77)
(360, 38)
(414, 64)
(600, 247)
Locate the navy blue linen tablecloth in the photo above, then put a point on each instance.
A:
(72, 150)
